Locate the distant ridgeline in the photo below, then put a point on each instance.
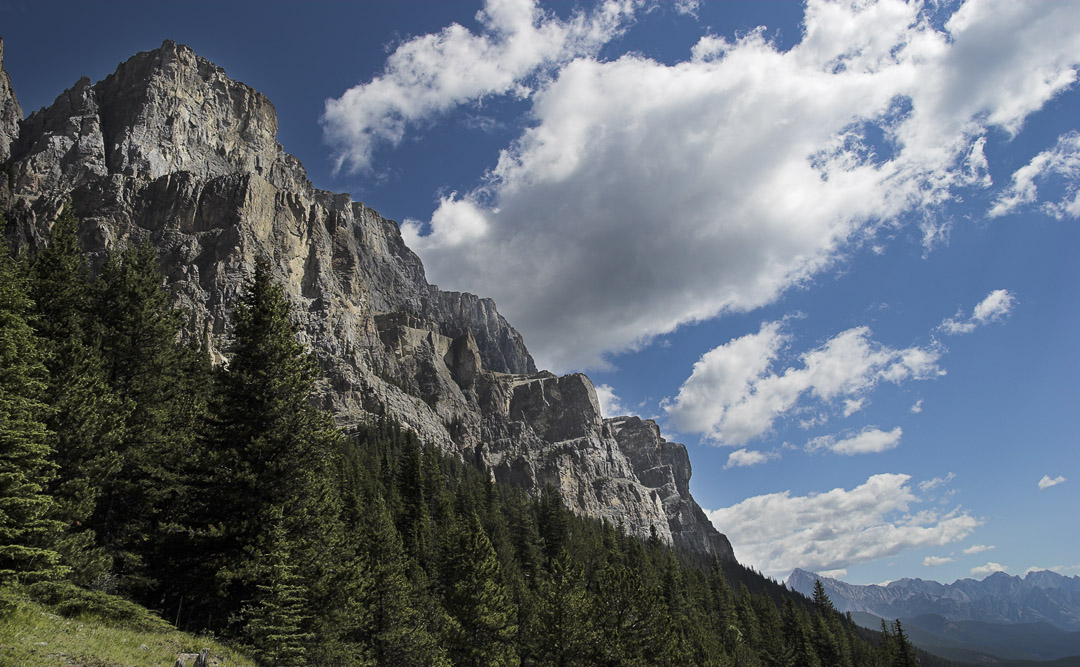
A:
(234, 399)
(1002, 619)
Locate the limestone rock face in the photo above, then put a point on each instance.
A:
(10, 111)
(169, 149)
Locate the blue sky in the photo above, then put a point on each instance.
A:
(830, 247)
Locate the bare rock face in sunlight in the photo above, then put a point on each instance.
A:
(169, 150)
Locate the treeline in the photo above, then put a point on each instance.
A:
(222, 499)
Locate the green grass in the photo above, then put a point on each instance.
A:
(33, 634)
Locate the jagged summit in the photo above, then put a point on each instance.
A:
(1041, 596)
(169, 149)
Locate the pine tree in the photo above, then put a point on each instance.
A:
(478, 600)
(414, 522)
(822, 604)
(269, 449)
(142, 363)
(799, 636)
(276, 616)
(632, 626)
(86, 418)
(27, 530)
(562, 636)
(552, 522)
(904, 652)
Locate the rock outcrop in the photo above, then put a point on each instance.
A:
(10, 111)
(169, 149)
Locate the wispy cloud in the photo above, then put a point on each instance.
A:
(994, 308)
(978, 548)
(934, 483)
(934, 561)
(1063, 160)
(733, 395)
(778, 532)
(870, 440)
(426, 76)
(741, 458)
(1047, 481)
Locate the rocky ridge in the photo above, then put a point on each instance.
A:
(169, 150)
(1040, 596)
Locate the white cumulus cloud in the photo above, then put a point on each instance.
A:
(853, 405)
(1047, 481)
(868, 441)
(610, 404)
(733, 395)
(1063, 160)
(989, 568)
(428, 75)
(778, 532)
(934, 561)
(647, 195)
(978, 548)
(741, 458)
(996, 306)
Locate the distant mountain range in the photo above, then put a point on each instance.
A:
(986, 643)
(1040, 597)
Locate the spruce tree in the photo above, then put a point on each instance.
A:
(552, 522)
(275, 618)
(394, 631)
(87, 418)
(562, 637)
(822, 604)
(28, 530)
(632, 626)
(269, 449)
(142, 364)
(478, 600)
(904, 652)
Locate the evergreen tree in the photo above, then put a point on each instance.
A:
(87, 418)
(478, 600)
(276, 616)
(798, 635)
(393, 631)
(270, 450)
(552, 522)
(27, 530)
(632, 627)
(562, 636)
(903, 651)
(142, 363)
(414, 522)
(822, 604)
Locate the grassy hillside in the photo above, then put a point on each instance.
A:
(73, 627)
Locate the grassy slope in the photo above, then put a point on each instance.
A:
(34, 635)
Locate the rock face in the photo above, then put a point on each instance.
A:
(1041, 596)
(169, 149)
(10, 111)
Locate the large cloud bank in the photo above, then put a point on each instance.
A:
(832, 531)
(647, 195)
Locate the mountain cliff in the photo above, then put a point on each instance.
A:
(1042, 596)
(170, 150)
